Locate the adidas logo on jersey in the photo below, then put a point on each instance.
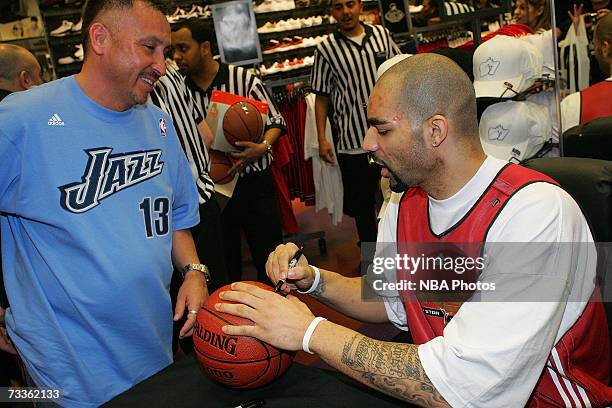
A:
(55, 120)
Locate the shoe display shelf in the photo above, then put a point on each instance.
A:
(63, 31)
(289, 37)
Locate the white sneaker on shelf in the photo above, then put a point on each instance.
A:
(309, 42)
(269, 27)
(79, 52)
(264, 7)
(62, 30)
(77, 26)
(276, 67)
(308, 61)
(66, 60)
(283, 25)
(204, 11)
(294, 24)
(272, 47)
(307, 22)
(318, 20)
(193, 13)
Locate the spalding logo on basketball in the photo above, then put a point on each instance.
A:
(242, 122)
(235, 361)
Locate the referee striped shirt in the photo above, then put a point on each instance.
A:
(239, 81)
(347, 71)
(172, 95)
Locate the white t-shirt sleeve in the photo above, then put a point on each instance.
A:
(570, 111)
(387, 231)
(493, 352)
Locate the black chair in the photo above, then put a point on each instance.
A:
(589, 182)
(591, 140)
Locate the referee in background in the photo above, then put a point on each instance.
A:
(345, 68)
(252, 207)
(171, 94)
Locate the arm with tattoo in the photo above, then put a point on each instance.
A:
(392, 368)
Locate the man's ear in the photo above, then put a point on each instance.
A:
(436, 130)
(25, 79)
(99, 38)
(205, 48)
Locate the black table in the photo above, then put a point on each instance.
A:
(182, 384)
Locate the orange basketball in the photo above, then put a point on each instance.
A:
(235, 361)
(219, 167)
(242, 122)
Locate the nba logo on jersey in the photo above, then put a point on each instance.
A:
(163, 126)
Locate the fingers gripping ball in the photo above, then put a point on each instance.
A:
(235, 361)
(219, 167)
(242, 122)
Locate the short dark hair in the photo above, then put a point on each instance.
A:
(603, 29)
(330, 3)
(93, 8)
(201, 31)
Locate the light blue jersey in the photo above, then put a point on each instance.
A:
(91, 198)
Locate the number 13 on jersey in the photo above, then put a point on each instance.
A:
(155, 212)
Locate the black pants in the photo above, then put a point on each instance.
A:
(207, 236)
(361, 182)
(252, 207)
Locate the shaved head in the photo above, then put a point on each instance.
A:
(430, 84)
(14, 59)
(19, 68)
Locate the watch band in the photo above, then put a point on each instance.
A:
(268, 145)
(196, 267)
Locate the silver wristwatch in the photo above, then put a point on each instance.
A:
(197, 267)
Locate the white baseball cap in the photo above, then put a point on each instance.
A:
(505, 59)
(389, 63)
(514, 130)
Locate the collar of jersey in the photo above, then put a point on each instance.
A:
(94, 107)
(368, 33)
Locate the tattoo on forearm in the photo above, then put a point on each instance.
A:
(320, 288)
(392, 368)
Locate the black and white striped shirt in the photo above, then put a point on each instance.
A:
(347, 71)
(239, 81)
(452, 8)
(172, 95)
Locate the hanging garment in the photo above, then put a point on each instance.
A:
(327, 178)
(282, 151)
(574, 56)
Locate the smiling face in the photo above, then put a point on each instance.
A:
(398, 146)
(347, 13)
(134, 58)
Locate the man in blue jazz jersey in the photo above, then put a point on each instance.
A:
(97, 200)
